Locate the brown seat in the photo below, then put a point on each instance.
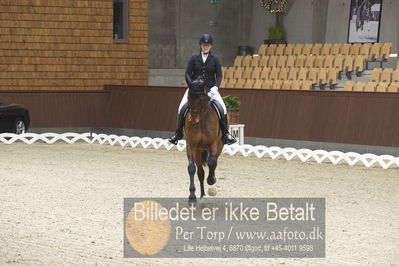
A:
(238, 61)
(359, 64)
(365, 49)
(263, 61)
(370, 86)
(273, 61)
(339, 62)
(257, 84)
(296, 85)
(325, 50)
(309, 61)
(313, 75)
(382, 87)
(393, 87)
(332, 76)
(303, 74)
(223, 83)
(375, 74)
(230, 72)
(345, 49)
(281, 61)
(239, 83)
(307, 49)
(316, 49)
(256, 73)
(335, 49)
(289, 49)
(297, 49)
(286, 85)
(355, 49)
(238, 73)
(349, 86)
(300, 61)
(255, 61)
(293, 74)
(283, 74)
(329, 61)
(246, 62)
(276, 85)
(306, 85)
(290, 61)
(280, 49)
(274, 73)
(247, 73)
(262, 49)
(375, 51)
(386, 50)
(386, 75)
(359, 86)
(230, 83)
(395, 75)
(322, 77)
(267, 84)
(265, 73)
(249, 83)
(271, 49)
(348, 63)
(224, 69)
(319, 61)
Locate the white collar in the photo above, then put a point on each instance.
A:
(204, 56)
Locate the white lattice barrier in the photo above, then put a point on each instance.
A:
(335, 157)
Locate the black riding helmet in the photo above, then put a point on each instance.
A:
(206, 39)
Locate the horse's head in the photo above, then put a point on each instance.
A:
(197, 100)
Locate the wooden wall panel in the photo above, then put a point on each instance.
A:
(54, 44)
(62, 108)
(341, 117)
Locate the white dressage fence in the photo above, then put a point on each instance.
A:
(335, 157)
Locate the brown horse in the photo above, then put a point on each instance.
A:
(203, 138)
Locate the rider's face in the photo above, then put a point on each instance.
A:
(205, 48)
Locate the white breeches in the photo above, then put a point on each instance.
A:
(214, 96)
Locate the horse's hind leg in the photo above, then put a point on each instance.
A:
(192, 199)
(200, 171)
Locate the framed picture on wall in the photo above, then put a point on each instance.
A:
(364, 21)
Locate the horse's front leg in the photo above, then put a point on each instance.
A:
(192, 199)
(200, 171)
(212, 164)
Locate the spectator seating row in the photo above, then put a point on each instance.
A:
(371, 86)
(267, 84)
(321, 76)
(341, 63)
(387, 75)
(371, 51)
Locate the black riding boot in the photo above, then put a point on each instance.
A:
(180, 123)
(226, 136)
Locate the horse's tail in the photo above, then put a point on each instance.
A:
(204, 157)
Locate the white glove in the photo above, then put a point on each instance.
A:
(214, 89)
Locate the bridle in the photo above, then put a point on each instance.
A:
(204, 107)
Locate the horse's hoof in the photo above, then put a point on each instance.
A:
(192, 201)
(211, 181)
(212, 191)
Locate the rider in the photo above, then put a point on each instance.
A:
(204, 65)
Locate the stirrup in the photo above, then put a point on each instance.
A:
(228, 139)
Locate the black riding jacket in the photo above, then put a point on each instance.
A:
(210, 71)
